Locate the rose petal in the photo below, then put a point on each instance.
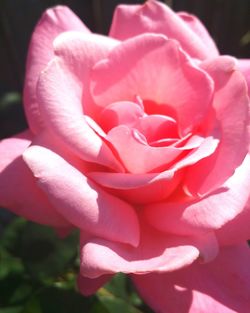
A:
(208, 213)
(244, 66)
(206, 148)
(60, 90)
(18, 190)
(139, 157)
(63, 232)
(88, 286)
(139, 188)
(236, 230)
(156, 64)
(152, 187)
(82, 202)
(156, 252)
(120, 113)
(200, 30)
(156, 17)
(156, 126)
(79, 53)
(136, 155)
(220, 286)
(53, 22)
(231, 105)
(129, 181)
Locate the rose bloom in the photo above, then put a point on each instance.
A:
(140, 140)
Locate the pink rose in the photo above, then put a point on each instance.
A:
(140, 140)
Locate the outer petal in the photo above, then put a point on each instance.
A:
(79, 53)
(50, 141)
(220, 286)
(210, 212)
(60, 89)
(231, 104)
(155, 17)
(200, 30)
(236, 230)
(154, 69)
(82, 202)
(88, 286)
(18, 190)
(53, 22)
(244, 67)
(157, 252)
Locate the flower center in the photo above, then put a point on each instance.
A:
(156, 129)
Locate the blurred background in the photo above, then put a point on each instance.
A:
(37, 269)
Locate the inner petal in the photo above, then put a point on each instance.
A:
(157, 70)
(120, 113)
(138, 156)
(158, 128)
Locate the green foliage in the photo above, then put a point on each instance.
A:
(9, 99)
(38, 273)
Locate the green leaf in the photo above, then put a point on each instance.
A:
(45, 255)
(119, 294)
(9, 264)
(115, 304)
(9, 99)
(21, 293)
(38, 272)
(245, 40)
(9, 286)
(98, 307)
(118, 286)
(32, 306)
(12, 233)
(64, 301)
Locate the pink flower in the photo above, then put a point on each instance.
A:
(140, 140)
